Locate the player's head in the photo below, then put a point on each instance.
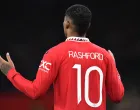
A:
(77, 20)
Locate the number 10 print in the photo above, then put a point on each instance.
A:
(92, 68)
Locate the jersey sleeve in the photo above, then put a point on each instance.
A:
(46, 74)
(114, 85)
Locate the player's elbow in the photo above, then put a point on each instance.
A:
(117, 100)
(118, 97)
(33, 96)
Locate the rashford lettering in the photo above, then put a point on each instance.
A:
(85, 55)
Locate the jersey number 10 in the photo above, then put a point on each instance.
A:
(92, 68)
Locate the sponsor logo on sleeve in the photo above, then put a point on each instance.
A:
(45, 66)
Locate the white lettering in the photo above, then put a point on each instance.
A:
(86, 55)
(45, 66)
(70, 53)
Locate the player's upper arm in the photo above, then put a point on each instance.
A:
(47, 72)
(114, 84)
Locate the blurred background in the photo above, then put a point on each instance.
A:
(28, 28)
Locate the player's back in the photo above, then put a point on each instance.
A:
(80, 83)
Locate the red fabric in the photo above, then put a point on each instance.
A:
(66, 64)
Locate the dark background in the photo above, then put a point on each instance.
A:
(29, 28)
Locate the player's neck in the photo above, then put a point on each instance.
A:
(75, 35)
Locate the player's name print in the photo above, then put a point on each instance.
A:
(45, 66)
(85, 55)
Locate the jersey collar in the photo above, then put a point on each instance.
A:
(77, 39)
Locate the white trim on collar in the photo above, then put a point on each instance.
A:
(77, 39)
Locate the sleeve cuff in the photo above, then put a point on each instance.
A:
(11, 73)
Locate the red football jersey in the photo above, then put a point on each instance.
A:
(82, 74)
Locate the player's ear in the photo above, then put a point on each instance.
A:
(67, 24)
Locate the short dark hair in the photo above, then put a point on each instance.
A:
(80, 16)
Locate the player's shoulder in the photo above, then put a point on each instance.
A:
(99, 48)
(102, 50)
